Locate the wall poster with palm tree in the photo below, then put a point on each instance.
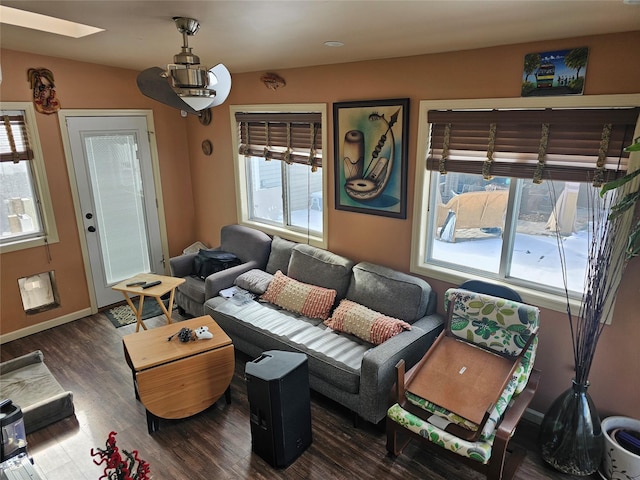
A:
(370, 141)
(561, 72)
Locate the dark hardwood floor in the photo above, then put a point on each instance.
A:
(86, 357)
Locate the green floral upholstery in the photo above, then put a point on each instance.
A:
(479, 450)
(495, 323)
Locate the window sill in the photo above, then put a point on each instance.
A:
(529, 295)
(293, 235)
(25, 244)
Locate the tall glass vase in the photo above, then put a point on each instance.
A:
(571, 438)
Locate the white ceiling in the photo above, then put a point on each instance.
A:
(265, 35)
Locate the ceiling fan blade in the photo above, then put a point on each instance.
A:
(152, 84)
(222, 85)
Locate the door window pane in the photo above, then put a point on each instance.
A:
(118, 199)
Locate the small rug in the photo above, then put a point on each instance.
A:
(123, 315)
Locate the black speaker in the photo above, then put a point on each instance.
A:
(279, 402)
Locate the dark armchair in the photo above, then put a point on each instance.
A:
(251, 246)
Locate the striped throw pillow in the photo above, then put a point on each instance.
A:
(308, 300)
(364, 323)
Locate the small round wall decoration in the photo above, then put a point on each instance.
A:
(207, 147)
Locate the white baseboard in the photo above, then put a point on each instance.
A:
(23, 332)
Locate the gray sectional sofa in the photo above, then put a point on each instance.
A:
(342, 366)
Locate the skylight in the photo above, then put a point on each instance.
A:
(36, 21)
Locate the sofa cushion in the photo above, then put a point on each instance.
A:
(298, 297)
(247, 243)
(364, 323)
(335, 358)
(390, 292)
(255, 281)
(320, 267)
(280, 255)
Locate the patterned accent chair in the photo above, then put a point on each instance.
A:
(504, 326)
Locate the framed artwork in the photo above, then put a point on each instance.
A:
(371, 145)
(560, 72)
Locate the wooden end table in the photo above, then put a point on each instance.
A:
(167, 284)
(175, 379)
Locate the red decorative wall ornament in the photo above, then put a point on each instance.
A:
(44, 93)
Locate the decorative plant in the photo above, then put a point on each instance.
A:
(605, 265)
(627, 202)
(571, 437)
(118, 468)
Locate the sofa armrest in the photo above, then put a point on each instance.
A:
(20, 362)
(225, 278)
(182, 266)
(378, 371)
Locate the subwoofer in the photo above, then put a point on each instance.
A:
(279, 403)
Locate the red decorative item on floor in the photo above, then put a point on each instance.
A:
(117, 468)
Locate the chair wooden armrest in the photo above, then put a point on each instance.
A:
(506, 429)
(513, 413)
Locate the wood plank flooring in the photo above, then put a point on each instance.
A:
(86, 357)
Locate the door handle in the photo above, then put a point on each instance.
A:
(92, 229)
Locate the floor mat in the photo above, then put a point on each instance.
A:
(123, 315)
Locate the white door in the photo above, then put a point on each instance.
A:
(114, 176)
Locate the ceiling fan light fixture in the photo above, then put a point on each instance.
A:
(198, 103)
(200, 88)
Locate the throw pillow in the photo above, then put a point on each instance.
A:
(256, 281)
(369, 325)
(308, 300)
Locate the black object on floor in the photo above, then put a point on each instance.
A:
(280, 406)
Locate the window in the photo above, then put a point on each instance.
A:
(279, 174)
(501, 177)
(26, 216)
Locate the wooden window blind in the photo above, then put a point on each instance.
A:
(14, 141)
(290, 137)
(560, 144)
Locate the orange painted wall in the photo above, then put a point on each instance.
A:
(487, 73)
(86, 86)
(200, 194)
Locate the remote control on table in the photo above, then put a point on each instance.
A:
(135, 284)
(151, 284)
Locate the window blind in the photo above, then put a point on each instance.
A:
(559, 144)
(290, 137)
(14, 141)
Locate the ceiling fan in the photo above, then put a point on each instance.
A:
(185, 84)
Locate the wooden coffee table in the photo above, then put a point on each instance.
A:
(167, 284)
(175, 379)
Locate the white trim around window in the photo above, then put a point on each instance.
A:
(41, 185)
(240, 173)
(420, 234)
